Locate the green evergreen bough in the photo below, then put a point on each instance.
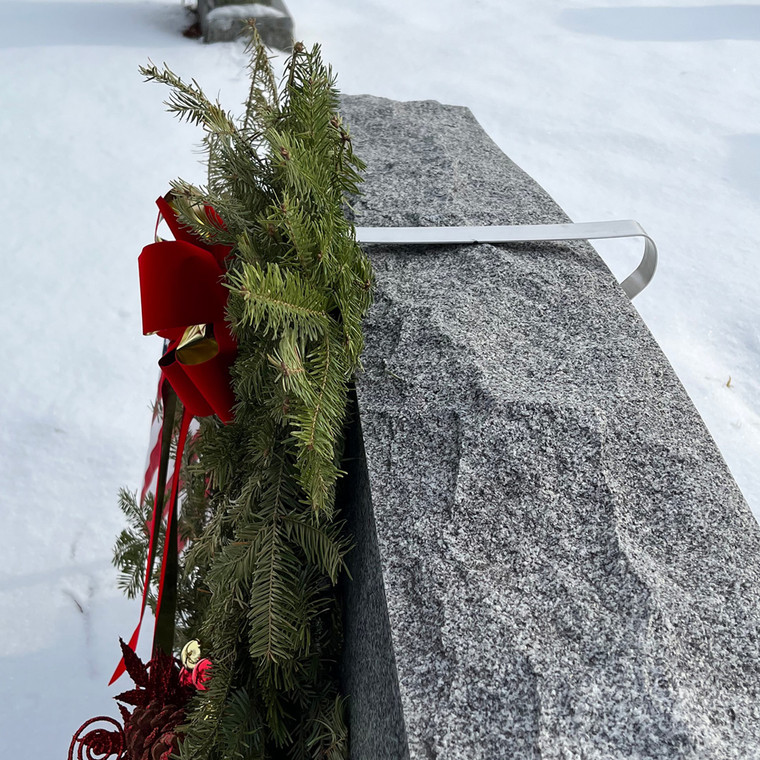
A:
(265, 545)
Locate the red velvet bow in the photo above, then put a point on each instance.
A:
(183, 300)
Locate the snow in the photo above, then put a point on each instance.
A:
(232, 13)
(647, 112)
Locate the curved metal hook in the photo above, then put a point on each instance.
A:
(523, 233)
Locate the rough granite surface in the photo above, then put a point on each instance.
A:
(552, 559)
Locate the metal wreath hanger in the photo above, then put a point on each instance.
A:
(523, 233)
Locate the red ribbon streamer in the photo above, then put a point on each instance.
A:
(163, 449)
(154, 453)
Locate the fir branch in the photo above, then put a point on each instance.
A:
(323, 545)
(273, 603)
(262, 94)
(131, 549)
(187, 101)
(274, 299)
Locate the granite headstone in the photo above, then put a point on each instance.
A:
(552, 559)
(225, 20)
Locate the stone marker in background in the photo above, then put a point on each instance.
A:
(223, 20)
(552, 558)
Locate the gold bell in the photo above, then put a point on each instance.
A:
(197, 345)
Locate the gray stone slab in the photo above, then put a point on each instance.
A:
(369, 667)
(224, 20)
(552, 559)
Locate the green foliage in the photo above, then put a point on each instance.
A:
(267, 547)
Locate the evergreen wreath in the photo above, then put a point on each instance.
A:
(265, 546)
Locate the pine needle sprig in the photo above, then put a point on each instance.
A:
(130, 552)
(263, 95)
(274, 299)
(188, 102)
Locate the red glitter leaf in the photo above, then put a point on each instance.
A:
(136, 668)
(137, 697)
(125, 714)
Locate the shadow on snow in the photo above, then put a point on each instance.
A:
(667, 24)
(31, 24)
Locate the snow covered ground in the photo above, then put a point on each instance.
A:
(649, 112)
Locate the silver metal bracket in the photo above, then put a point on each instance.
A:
(524, 233)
